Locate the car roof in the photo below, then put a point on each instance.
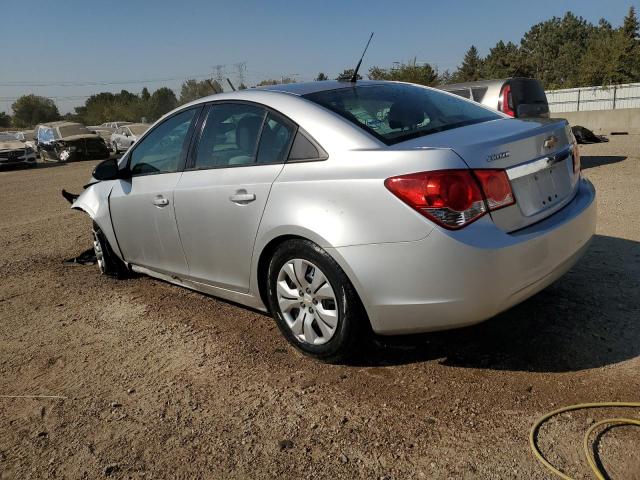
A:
(57, 123)
(305, 88)
(482, 83)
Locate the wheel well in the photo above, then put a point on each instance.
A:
(263, 264)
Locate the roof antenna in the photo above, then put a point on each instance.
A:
(231, 85)
(354, 78)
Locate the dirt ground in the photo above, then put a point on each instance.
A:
(161, 382)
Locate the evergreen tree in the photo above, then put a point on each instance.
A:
(471, 68)
(410, 72)
(630, 55)
(504, 60)
(551, 50)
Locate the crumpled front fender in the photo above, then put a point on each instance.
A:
(94, 201)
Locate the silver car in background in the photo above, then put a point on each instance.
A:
(517, 97)
(125, 136)
(343, 208)
(14, 151)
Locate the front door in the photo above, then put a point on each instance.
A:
(220, 199)
(142, 207)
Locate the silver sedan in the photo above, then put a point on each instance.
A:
(345, 208)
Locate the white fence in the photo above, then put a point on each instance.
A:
(583, 99)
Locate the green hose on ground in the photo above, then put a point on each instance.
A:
(585, 444)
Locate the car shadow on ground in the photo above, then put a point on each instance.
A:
(597, 161)
(587, 319)
(13, 168)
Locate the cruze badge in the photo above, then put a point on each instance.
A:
(497, 156)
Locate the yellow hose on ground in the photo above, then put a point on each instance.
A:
(585, 444)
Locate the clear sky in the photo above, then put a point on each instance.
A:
(83, 41)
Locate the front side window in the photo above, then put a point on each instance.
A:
(397, 112)
(230, 136)
(161, 150)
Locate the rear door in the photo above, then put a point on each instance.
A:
(220, 198)
(142, 207)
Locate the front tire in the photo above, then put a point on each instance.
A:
(313, 302)
(108, 262)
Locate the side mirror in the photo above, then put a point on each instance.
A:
(108, 170)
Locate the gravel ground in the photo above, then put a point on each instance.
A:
(161, 382)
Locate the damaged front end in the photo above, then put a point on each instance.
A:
(94, 201)
(91, 147)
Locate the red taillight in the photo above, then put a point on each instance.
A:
(507, 101)
(496, 187)
(453, 198)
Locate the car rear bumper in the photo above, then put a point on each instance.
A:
(452, 279)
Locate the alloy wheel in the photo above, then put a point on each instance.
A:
(97, 248)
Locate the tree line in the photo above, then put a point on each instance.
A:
(561, 52)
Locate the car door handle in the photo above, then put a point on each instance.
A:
(241, 197)
(160, 201)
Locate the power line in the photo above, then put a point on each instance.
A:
(23, 83)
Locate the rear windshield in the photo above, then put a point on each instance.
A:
(73, 129)
(528, 91)
(397, 112)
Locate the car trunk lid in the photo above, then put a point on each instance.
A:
(536, 154)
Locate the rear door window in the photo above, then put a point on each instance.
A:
(230, 136)
(275, 139)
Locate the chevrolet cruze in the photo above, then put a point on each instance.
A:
(343, 208)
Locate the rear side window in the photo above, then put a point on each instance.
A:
(478, 93)
(303, 149)
(394, 113)
(463, 92)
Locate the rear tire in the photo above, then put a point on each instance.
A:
(108, 262)
(115, 148)
(313, 302)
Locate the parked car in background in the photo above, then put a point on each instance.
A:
(114, 125)
(105, 134)
(516, 97)
(125, 136)
(68, 141)
(343, 208)
(13, 151)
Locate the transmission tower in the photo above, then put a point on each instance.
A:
(241, 69)
(219, 73)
